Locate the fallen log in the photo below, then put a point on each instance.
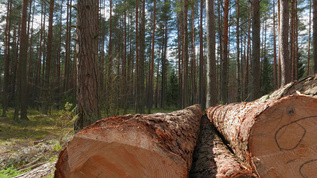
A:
(156, 145)
(212, 158)
(276, 137)
(305, 86)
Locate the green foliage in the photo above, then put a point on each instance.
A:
(67, 118)
(11, 172)
(172, 90)
(57, 147)
(266, 77)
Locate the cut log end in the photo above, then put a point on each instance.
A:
(283, 139)
(157, 145)
(121, 160)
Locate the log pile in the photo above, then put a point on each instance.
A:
(270, 137)
(277, 137)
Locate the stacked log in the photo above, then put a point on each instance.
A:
(275, 137)
(212, 157)
(305, 86)
(156, 145)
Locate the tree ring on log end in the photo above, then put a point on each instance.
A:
(284, 142)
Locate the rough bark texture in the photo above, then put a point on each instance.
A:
(88, 73)
(157, 145)
(305, 86)
(275, 137)
(211, 96)
(212, 158)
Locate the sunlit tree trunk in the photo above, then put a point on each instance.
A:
(283, 41)
(309, 40)
(275, 83)
(88, 68)
(211, 98)
(256, 68)
(315, 34)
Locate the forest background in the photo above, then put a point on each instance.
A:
(152, 53)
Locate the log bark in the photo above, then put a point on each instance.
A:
(305, 86)
(275, 137)
(156, 145)
(212, 157)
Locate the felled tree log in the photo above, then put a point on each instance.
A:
(212, 158)
(156, 145)
(305, 86)
(276, 137)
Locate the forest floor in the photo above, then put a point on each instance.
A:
(27, 145)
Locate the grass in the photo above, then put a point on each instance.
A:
(37, 140)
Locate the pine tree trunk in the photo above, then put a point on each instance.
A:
(185, 92)
(238, 73)
(275, 81)
(224, 59)
(48, 73)
(315, 34)
(157, 145)
(283, 40)
(88, 73)
(211, 97)
(193, 60)
(6, 61)
(309, 40)
(150, 95)
(256, 67)
(141, 61)
(23, 62)
(275, 137)
(202, 68)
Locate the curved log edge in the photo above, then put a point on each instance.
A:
(276, 137)
(159, 145)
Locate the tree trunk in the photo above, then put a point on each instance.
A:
(141, 61)
(6, 61)
(212, 157)
(238, 73)
(309, 40)
(256, 67)
(224, 59)
(137, 76)
(157, 145)
(315, 34)
(48, 73)
(193, 60)
(306, 86)
(202, 93)
(283, 40)
(23, 62)
(87, 93)
(275, 137)
(185, 93)
(275, 83)
(211, 97)
(150, 96)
